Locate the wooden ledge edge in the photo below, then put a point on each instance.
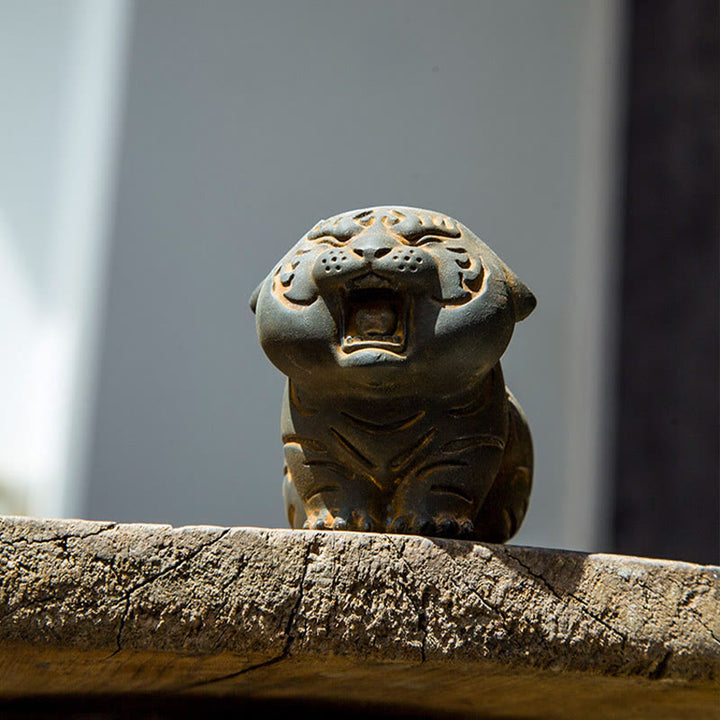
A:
(90, 607)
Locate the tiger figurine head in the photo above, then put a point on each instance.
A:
(386, 298)
(386, 320)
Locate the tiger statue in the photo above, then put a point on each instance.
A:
(389, 323)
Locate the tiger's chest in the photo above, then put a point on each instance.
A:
(387, 442)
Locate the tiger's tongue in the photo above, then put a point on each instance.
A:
(376, 319)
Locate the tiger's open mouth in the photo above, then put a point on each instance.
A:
(374, 315)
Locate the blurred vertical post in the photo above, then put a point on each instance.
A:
(667, 490)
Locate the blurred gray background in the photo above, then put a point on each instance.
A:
(224, 131)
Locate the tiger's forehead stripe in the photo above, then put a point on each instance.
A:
(408, 225)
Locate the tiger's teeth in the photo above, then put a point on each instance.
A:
(371, 280)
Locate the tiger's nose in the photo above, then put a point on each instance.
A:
(371, 252)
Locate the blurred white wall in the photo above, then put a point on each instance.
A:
(61, 72)
(243, 123)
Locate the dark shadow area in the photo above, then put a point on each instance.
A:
(159, 707)
(559, 570)
(667, 492)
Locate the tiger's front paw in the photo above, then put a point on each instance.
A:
(354, 520)
(440, 525)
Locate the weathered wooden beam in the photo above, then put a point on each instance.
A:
(90, 609)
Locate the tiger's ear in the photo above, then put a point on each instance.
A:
(254, 297)
(522, 299)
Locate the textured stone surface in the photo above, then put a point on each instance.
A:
(89, 608)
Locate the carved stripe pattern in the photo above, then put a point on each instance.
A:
(404, 457)
(383, 428)
(302, 408)
(357, 454)
(304, 442)
(468, 443)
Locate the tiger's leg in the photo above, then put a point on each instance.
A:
(442, 497)
(294, 508)
(326, 494)
(506, 503)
